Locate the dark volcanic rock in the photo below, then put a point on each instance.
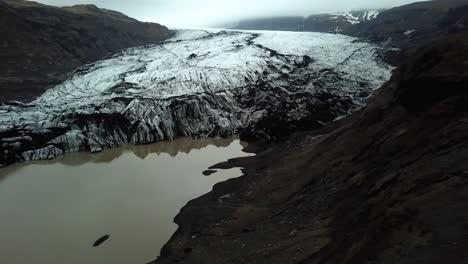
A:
(101, 240)
(40, 44)
(412, 26)
(209, 172)
(389, 184)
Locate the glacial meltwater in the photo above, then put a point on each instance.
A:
(52, 212)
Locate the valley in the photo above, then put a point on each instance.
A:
(127, 142)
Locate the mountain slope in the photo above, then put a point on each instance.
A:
(339, 22)
(434, 4)
(405, 27)
(387, 185)
(336, 22)
(412, 26)
(41, 43)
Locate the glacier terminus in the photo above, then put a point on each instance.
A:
(200, 83)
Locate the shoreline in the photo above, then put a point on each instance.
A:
(388, 184)
(215, 214)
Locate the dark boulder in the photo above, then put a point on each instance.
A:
(101, 240)
(209, 172)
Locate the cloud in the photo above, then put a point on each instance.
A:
(195, 13)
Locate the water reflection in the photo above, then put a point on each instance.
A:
(52, 211)
(172, 148)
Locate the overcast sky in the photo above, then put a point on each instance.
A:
(193, 13)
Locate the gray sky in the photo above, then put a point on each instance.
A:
(193, 13)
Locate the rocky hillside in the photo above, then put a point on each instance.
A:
(316, 23)
(418, 23)
(40, 44)
(412, 26)
(387, 185)
(339, 22)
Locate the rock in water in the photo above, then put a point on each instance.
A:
(261, 86)
(101, 240)
(209, 172)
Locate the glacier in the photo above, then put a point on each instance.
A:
(200, 83)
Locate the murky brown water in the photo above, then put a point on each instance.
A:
(51, 212)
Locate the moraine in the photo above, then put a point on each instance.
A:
(198, 84)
